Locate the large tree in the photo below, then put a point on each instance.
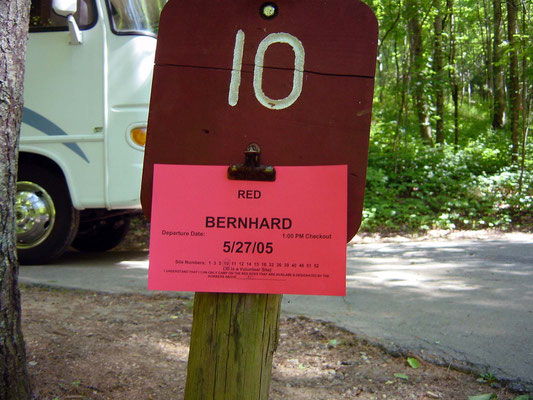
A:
(497, 68)
(454, 79)
(438, 70)
(417, 62)
(514, 76)
(14, 382)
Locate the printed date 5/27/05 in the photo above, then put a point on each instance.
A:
(248, 247)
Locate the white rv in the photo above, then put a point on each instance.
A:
(87, 86)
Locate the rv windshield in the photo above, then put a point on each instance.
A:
(135, 16)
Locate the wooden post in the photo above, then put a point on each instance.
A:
(233, 339)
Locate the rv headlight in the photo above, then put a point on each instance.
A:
(138, 135)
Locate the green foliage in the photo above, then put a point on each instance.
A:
(470, 181)
(488, 396)
(488, 378)
(413, 362)
(401, 376)
(412, 187)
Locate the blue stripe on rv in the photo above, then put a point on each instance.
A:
(43, 124)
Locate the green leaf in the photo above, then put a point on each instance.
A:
(401, 376)
(488, 396)
(413, 362)
(523, 397)
(333, 343)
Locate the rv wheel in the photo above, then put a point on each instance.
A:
(102, 234)
(46, 220)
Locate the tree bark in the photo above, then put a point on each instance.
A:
(526, 97)
(453, 72)
(14, 381)
(498, 120)
(438, 70)
(402, 81)
(417, 63)
(488, 50)
(514, 77)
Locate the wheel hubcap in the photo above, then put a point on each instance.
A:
(35, 213)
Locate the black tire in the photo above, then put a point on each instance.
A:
(46, 220)
(101, 235)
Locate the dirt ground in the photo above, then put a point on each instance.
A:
(84, 345)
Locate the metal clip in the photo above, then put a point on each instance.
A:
(252, 170)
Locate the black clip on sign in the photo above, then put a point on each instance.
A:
(252, 170)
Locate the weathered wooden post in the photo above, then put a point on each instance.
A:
(290, 84)
(232, 342)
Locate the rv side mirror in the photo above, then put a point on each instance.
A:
(67, 8)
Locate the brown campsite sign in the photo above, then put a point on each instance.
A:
(295, 77)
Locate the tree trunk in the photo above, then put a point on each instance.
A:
(498, 120)
(14, 381)
(438, 70)
(514, 77)
(526, 97)
(453, 73)
(488, 50)
(402, 83)
(417, 66)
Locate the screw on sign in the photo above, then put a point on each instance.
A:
(297, 79)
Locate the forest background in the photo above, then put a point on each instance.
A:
(449, 144)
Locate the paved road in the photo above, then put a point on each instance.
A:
(465, 302)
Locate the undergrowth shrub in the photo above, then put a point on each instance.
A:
(421, 188)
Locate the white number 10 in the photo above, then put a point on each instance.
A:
(297, 82)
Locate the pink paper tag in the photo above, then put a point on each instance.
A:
(212, 234)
